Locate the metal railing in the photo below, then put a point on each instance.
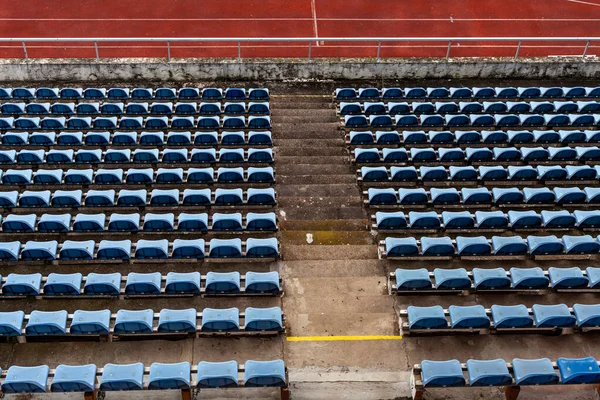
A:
(583, 42)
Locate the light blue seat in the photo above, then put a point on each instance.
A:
(94, 93)
(143, 283)
(89, 222)
(231, 155)
(63, 284)
(402, 174)
(552, 120)
(580, 244)
(387, 137)
(432, 174)
(493, 173)
(583, 120)
(30, 198)
(539, 195)
(265, 374)
(55, 156)
(473, 246)
(205, 139)
(480, 195)
(227, 222)
(236, 138)
(451, 279)
(424, 220)
(558, 219)
(136, 108)
(30, 156)
(192, 222)
(90, 322)
(261, 248)
(164, 197)
(587, 219)
(414, 137)
(518, 107)
(468, 317)
(183, 282)
(507, 154)
(366, 155)
(468, 173)
(259, 108)
(580, 172)
(591, 153)
(562, 154)
(132, 198)
(134, 321)
(396, 108)
(494, 136)
(260, 175)
(208, 122)
(259, 196)
(507, 120)
(144, 156)
(220, 320)
(54, 223)
(544, 245)
(22, 284)
(532, 119)
(264, 122)
(124, 138)
(551, 173)
(100, 198)
(567, 278)
(42, 323)
(176, 321)
(260, 138)
(361, 137)
(118, 377)
(217, 374)
(106, 284)
(444, 196)
(203, 196)
(588, 315)
(491, 220)
(490, 278)
(373, 108)
(453, 155)
(483, 92)
(222, 282)
(188, 248)
(159, 123)
(26, 123)
(528, 278)
(488, 373)
(262, 282)
(464, 137)
(534, 372)
(592, 195)
(442, 374)
(567, 137)
(432, 120)
(169, 376)
(26, 379)
(114, 250)
(566, 195)
(19, 223)
(263, 319)
(551, 316)
(15, 139)
(409, 121)
(225, 248)
(45, 251)
(406, 196)
(109, 176)
(9, 199)
(152, 249)
(83, 156)
(13, 108)
(426, 318)
(401, 247)
(382, 196)
(169, 175)
(542, 107)
(111, 122)
(11, 323)
(437, 246)
(374, 174)
(535, 153)
(515, 137)
(152, 138)
(88, 108)
(6, 122)
(546, 136)
(578, 370)
(394, 155)
(117, 156)
(411, 279)
(506, 317)
(44, 138)
(524, 219)
(118, 93)
(509, 245)
(458, 220)
(441, 137)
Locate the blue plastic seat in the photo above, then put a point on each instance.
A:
(30, 198)
(424, 220)
(100, 198)
(567, 195)
(262, 282)
(225, 248)
(114, 250)
(222, 282)
(265, 374)
(203, 197)
(551, 173)
(578, 370)
(165, 197)
(443, 196)
(217, 374)
(451, 279)
(11, 323)
(54, 223)
(382, 196)
(534, 372)
(117, 377)
(591, 153)
(558, 219)
(26, 379)
(152, 249)
(74, 378)
(55, 156)
(220, 320)
(133, 321)
(111, 122)
(6, 123)
(464, 137)
(544, 245)
(426, 318)
(79, 176)
(458, 220)
(588, 315)
(401, 247)
(169, 175)
(95, 138)
(387, 137)
(19, 223)
(515, 137)
(402, 174)
(489, 279)
(63, 284)
(562, 154)
(13, 108)
(104, 284)
(407, 121)
(260, 138)
(437, 246)
(494, 136)
(432, 174)
(26, 123)
(124, 138)
(410, 279)
(15, 139)
(468, 173)
(136, 109)
(491, 220)
(528, 278)
(509, 245)
(90, 322)
(87, 109)
(541, 195)
(480, 195)
(175, 321)
(188, 248)
(263, 319)
(112, 108)
(44, 138)
(580, 172)
(109, 176)
(414, 137)
(183, 282)
(506, 317)
(192, 222)
(587, 219)
(524, 219)
(567, 278)
(259, 196)
(442, 374)
(231, 155)
(366, 155)
(441, 137)
(179, 139)
(30, 156)
(467, 317)
(374, 174)
(169, 376)
(267, 247)
(473, 246)
(534, 154)
(45, 251)
(451, 155)
(394, 155)
(507, 120)
(488, 373)
(580, 244)
(143, 283)
(507, 154)
(42, 323)
(22, 284)
(518, 107)
(132, 198)
(551, 316)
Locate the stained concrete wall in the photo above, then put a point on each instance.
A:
(290, 69)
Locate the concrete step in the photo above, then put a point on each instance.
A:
(305, 168)
(296, 211)
(308, 118)
(302, 104)
(312, 143)
(314, 161)
(331, 191)
(292, 112)
(325, 238)
(325, 225)
(332, 252)
(314, 179)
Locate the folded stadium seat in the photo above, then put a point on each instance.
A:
(26, 379)
(89, 222)
(484, 92)
(42, 323)
(200, 175)
(79, 176)
(421, 154)
(223, 282)
(539, 195)
(587, 219)
(169, 175)
(507, 195)
(535, 153)
(173, 321)
(111, 176)
(469, 107)
(581, 172)
(133, 321)
(465, 137)
(546, 136)
(390, 220)
(584, 154)
(100, 198)
(424, 220)
(30, 156)
(135, 108)
(567, 107)
(368, 93)
(17, 177)
(148, 283)
(46, 251)
(54, 223)
(20, 284)
(434, 120)
(415, 93)
(48, 177)
(118, 377)
(117, 156)
(231, 155)
(582, 107)
(152, 138)
(520, 137)
(258, 94)
(489, 279)
(9, 251)
(553, 316)
(437, 93)
(30, 198)
(140, 175)
(188, 248)
(491, 219)
(446, 107)
(488, 372)
(118, 93)
(504, 154)
(407, 279)
(405, 121)
(458, 220)
(165, 93)
(437, 246)
(463, 120)
(235, 94)
(443, 196)
(433, 173)
(165, 108)
(567, 278)
(528, 92)
(19, 223)
(402, 174)
(87, 109)
(518, 107)
(86, 323)
(63, 284)
(227, 222)
(258, 196)
(577, 370)
(96, 139)
(587, 315)
(260, 108)
(267, 247)
(522, 173)
(259, 155)
(453, 154)
(15, 138)
(111, 122)
(179, 139)
(460, 93)
(261, 221)
(387, 137)
(11, 323)
(77, 250)
(22, 93)
(478, 154)
(234, 108)
(104, 284)
(121, 138)
(55, 156)
(124, 222)
(175, 156)
(507, 317)
(509, 245)
(159, 222)
(442, 373)
(426, 317)
(441, 137)
(563, 154)
(366, 155)
(451, 279)
(544, 245)
(80, 123)
(580, 244)
(552, 120)
(229, 175)
(542, 107)
(263, 319)
(558, 219)
(396, 108)
(208, 122)
(567, 137)
(401, 247)
(145, 156)
(384, 196)
(466, 317)
(152, 249)
(225, 248)
(570, 195)
(237, 122)
(43, 138)
(12, 108)
(507, 120)
(141, 93)
(202, 197)
(495, 107)
(425, 107)
(592, 195)
(528, 278)
(183, 282)
(7, 156)
(6, 123)
(116, 108)
(361, 137)
(551, 92)
(163, 123)
(220, 320)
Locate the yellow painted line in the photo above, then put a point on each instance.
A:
(340, 338)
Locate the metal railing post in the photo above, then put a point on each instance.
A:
(25, 51)
(96, 48)
(239, 51)
(168, 50)
(518, 49)
(587, 46)
(309, 49)
(378, 49)
(448, 52)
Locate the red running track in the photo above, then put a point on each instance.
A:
(298, 18)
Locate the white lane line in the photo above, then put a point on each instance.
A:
(321, 19)
(313, 9)
(584, 2)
